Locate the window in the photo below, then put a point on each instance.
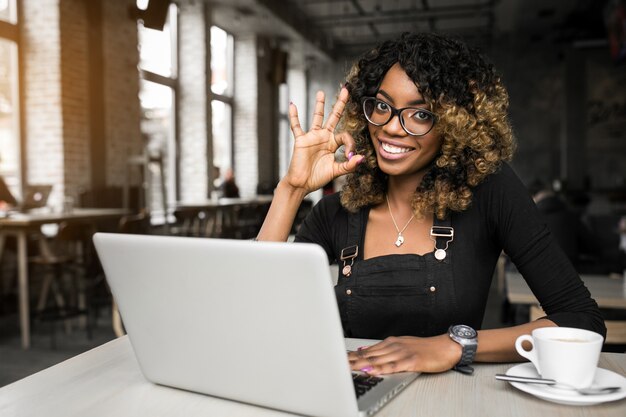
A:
(222, 61)
(158, 71)
(8, 11)
(10, 154)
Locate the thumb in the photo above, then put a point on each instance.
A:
(346, 167)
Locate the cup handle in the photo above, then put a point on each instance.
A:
(531, 354)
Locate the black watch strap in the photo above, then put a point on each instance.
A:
(464, 369)
(467, 357)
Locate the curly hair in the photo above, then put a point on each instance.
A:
(470, 103)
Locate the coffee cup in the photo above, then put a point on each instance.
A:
(567, 355)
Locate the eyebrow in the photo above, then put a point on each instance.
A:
(411, 103)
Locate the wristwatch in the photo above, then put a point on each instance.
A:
(468, 339)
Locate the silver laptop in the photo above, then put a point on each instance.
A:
(255, 322)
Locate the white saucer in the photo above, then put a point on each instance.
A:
(603, 377)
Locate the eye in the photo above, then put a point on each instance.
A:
(421, 115)
(381, 106)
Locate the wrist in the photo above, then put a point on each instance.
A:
(467, 339)
(289, 191)
(453, 351)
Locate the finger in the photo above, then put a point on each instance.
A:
(373, 353)
(394, 361)
(387, 362)
(400, 365)
(337, 111)
(294, 121)
(346, 167)
(348, 142)
(318, 112)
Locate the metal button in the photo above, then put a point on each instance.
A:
(349, 292)
(433, 289)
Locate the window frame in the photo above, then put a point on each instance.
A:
(171, 82)
(228, 99)
(10, 31)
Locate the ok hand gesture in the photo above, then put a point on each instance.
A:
(313, 162)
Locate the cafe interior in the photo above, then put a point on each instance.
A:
(170, 117)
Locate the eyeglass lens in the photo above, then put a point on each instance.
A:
(414, 120)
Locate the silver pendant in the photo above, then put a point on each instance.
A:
(440, 254)
(399, 240)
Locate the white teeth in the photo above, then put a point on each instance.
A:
(394, 149)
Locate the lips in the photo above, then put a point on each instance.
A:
(393, 151)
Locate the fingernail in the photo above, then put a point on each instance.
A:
(350, 155)
(361, 160)
(362, 347)
(367, 369)
(291, 102)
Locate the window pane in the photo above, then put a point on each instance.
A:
(155, 48)
(222, 135)
(157, 128)
(9, 112)
(8, 11)
(221, 61)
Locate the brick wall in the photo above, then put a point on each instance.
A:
(41, 49)
(193, 102)
(121, 89)
(245, 136)
(75, 97)
(56, 99)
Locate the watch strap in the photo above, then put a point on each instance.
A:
(467, 357)
(464, 369)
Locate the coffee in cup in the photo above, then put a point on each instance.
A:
(565, 354)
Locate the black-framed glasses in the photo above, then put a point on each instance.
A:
(414, 121)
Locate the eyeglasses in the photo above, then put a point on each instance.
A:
(414, 121)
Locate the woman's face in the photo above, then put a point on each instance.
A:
(397, 152)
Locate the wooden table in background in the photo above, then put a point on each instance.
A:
(21, 225)
(608, 293)
(220, 209)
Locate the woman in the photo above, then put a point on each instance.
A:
(428, 206)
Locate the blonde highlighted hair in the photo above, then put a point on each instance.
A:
(470, 102)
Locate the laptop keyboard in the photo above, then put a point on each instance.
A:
(364, 383)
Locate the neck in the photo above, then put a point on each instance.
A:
(400, 191)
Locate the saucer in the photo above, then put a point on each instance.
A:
(603, 377)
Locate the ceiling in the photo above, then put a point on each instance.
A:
(346, 28)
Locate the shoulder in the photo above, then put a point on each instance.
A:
(329, 206)
(503, 181)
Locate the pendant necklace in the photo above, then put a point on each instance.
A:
(400, 239)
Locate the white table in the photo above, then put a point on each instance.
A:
(21, 225)
(106, 381)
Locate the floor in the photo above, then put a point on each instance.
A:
(17, 363)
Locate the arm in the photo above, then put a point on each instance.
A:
(312, 165)
(515, 224)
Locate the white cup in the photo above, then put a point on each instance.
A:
(565, 354)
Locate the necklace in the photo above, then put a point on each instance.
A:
(400, 239)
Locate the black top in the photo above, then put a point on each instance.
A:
(502, 217)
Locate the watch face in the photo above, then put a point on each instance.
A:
(464, 331)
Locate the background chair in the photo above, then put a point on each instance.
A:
(63, 262)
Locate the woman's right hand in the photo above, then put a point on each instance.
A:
(313, 162)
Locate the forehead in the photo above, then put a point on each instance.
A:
(398, 86)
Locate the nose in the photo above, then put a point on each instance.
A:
(394, 127)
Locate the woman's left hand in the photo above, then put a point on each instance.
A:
(407, 353)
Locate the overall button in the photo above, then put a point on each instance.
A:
(433, 289)
(349, 292)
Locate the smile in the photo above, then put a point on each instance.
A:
(394, 149)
